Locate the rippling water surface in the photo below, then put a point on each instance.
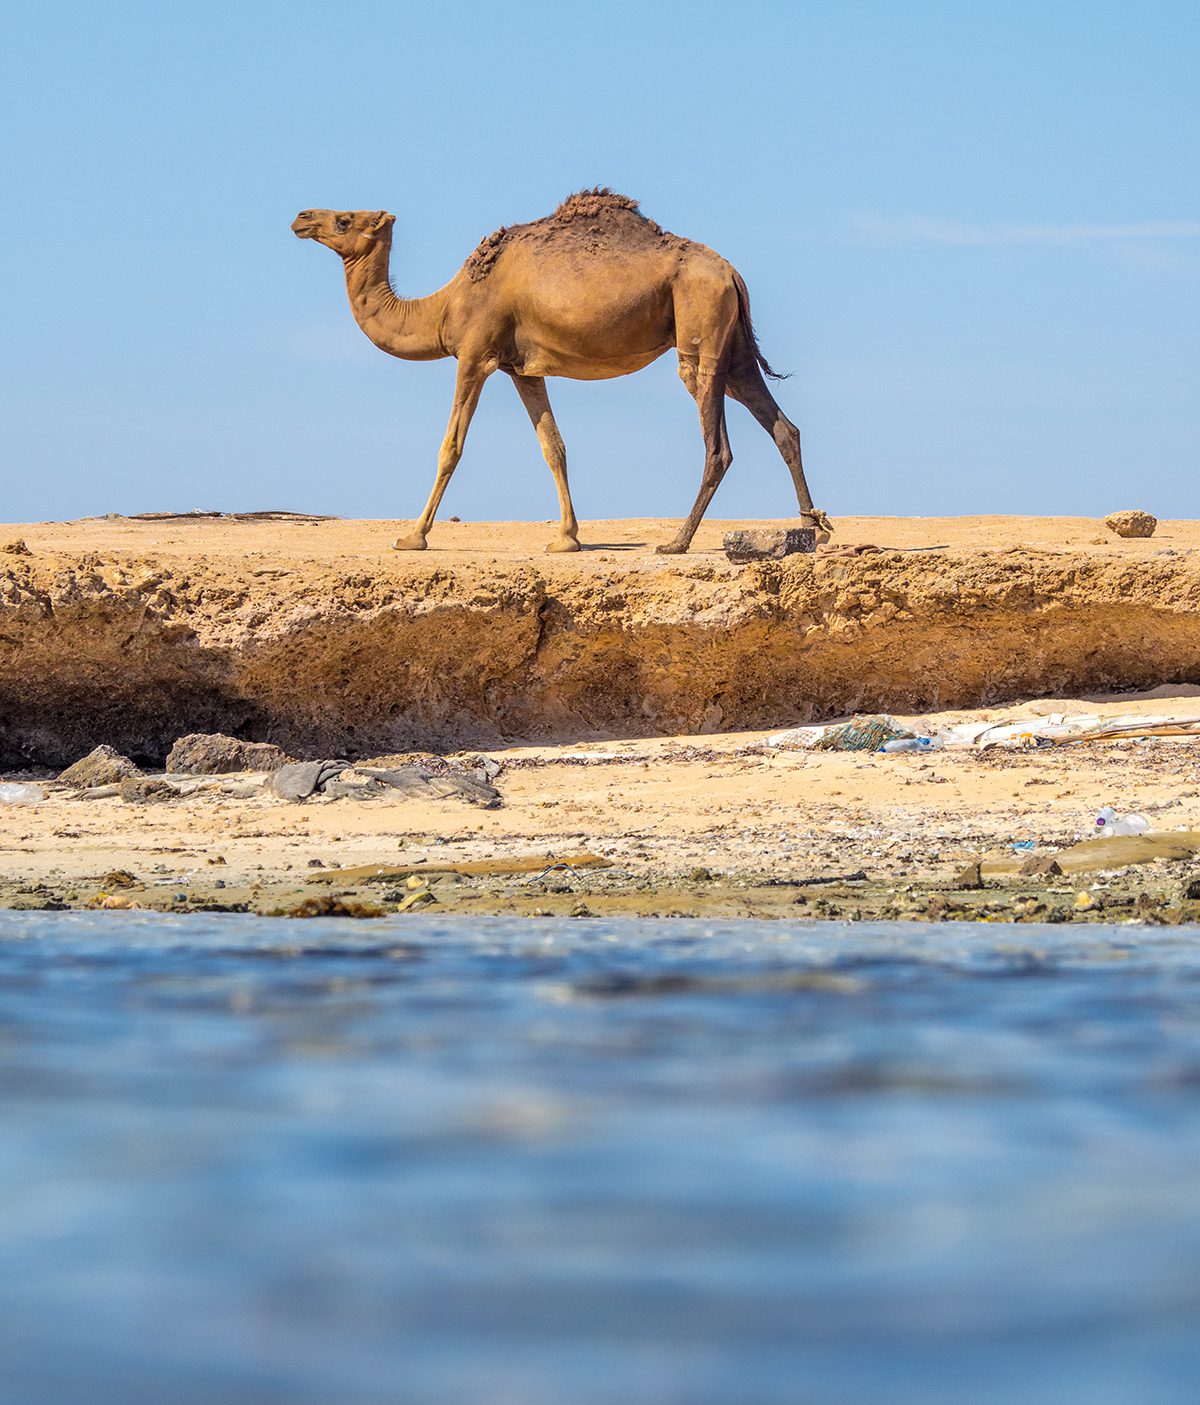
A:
(252, 1161)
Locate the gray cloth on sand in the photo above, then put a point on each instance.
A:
(417, 780)
(303, 778)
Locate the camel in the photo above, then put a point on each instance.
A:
(593, 291)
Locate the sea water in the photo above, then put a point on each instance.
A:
(551, 1162)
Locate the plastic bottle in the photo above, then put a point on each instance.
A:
(1110, 825)
(913, 744)
(14, 793)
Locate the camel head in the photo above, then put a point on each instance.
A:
(350, 233)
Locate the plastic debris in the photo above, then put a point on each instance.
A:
(913, 744)
(17, 793)
(867, 733)
(1110, 825)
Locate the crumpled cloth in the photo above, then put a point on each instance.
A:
(303, 778)
(418, 780)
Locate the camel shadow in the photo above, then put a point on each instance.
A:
(613, 546)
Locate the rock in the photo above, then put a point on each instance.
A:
(201, 754)
(1191, 890)
(1131, 523)
(16, 547)
(971, 877)
(145, 790)
(1084, 902)
(769, 545)
(103, 766)
(1044, 864)
(330, 907)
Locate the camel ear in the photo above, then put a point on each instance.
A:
(382, 221)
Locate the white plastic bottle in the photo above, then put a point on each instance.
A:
(1110, 825)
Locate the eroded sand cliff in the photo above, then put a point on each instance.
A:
(316, 636)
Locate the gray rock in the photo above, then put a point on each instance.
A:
(146, 790)
(769, 545)
(971, 877)
(201, 754)
(103, 766)
(1131, 523)
(1040, 865)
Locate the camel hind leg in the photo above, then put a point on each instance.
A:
(705, 318)
(747, 386)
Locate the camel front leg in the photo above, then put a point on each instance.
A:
(467, 387)
(532, 390)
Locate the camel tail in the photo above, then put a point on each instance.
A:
(748, 328)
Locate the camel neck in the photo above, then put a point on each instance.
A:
(407, 327)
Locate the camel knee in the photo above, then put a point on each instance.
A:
(554, 451)
(689, 375)
(447, 463)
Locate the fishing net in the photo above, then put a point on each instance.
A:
(861, 734)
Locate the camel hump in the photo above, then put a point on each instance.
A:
(592, 221)
(600, 200)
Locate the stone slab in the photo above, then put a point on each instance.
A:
(770, 545)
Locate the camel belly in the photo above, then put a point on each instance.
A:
(546, 362)
(587, 319)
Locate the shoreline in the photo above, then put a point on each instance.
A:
(713, 826)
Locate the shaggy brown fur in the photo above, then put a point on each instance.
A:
(594, 221)
(592, 291)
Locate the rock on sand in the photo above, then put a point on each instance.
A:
(1131, 523)
(103, 766)
(201, 754)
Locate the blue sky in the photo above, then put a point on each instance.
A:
(971, 231)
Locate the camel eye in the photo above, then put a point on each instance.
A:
(343, 221)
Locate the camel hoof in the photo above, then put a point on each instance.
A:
(670, 549)
(563, 544)
(820, 521)
(414, 542)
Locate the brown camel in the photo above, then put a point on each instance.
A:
(593, 291)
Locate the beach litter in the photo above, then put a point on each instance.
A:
(300, 779)
(865, 733)
(18, 793)
(1110, 825)
(1122, 851)
(422, 780)
(877, 732)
